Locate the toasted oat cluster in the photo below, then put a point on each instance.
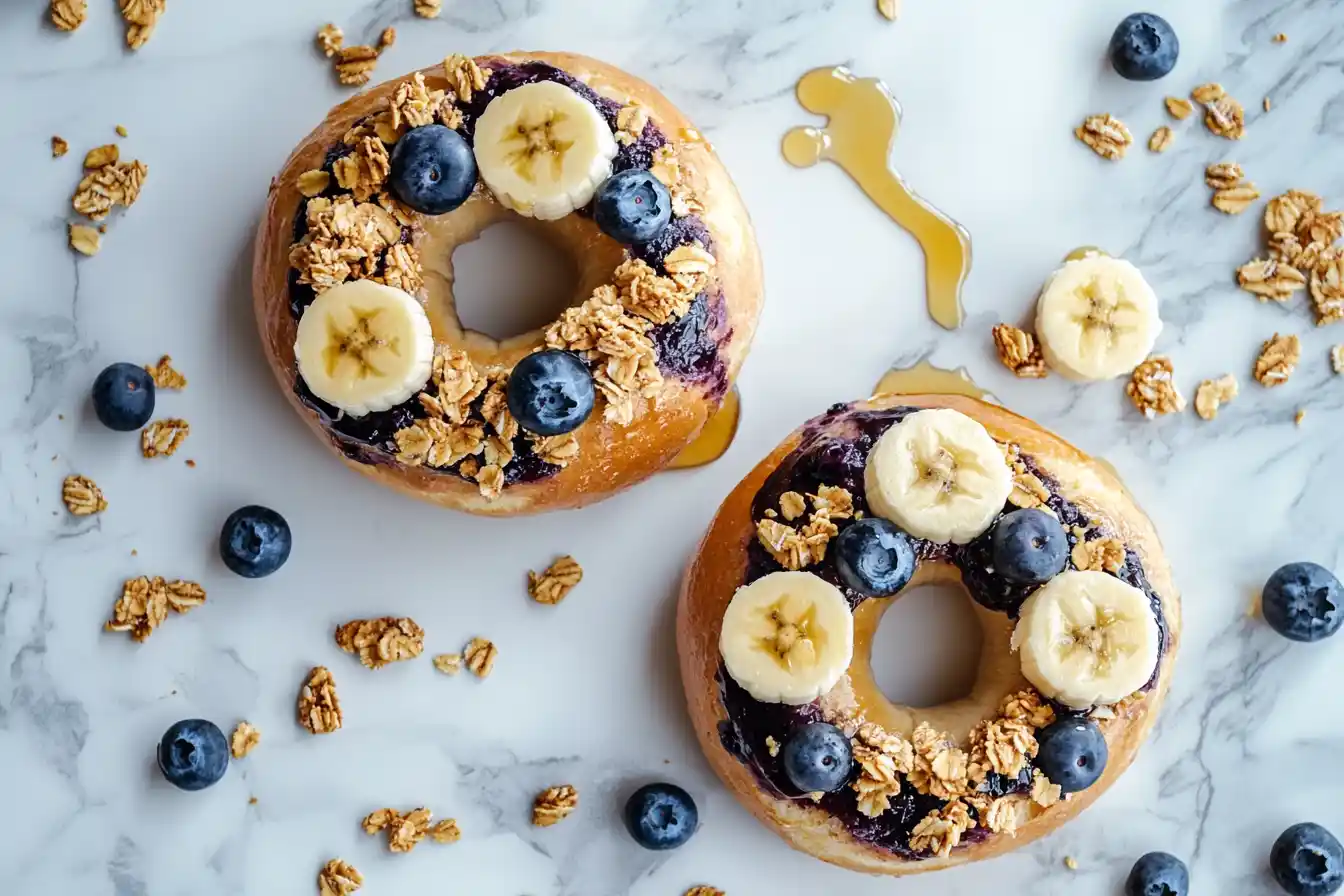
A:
(1099, 554)
(1303, 254)
(162, 438)
(428, 9)
(141, 18)
(796, 548)
(404, 832)
(319, 707)
(108, 182)
(244, 740)
(1213, 394)
(553, 805)
(1105, 135)
(1152, 388)
(1223, 115)
(552, 584)
(1019, 352)
(1028, 489)
(479, 656)
(67, 15)
(145, 602)
(164, 374)
(378, 642)
(338, 878)
(82, 496)
(1277, 360)
(940, 831)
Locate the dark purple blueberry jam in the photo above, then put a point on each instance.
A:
(833, 451)
(688, 349)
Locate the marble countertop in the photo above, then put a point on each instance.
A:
(588, 693)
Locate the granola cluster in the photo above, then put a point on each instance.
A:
(552, 584)
(940, 831)
(67, 15)
(405, 831)
(796, 548)
(244, 740)
(145, 602)
(1028, 489)
(108, 182)
(378, 642)
(1152, 388)
(319, 707)
(1105, 135)
(1303, 254)
(676, 174)
(1098, 555)
(882, 757)
(162, 438)
(165, 376)
(1223, 114)
(1277, 360)
(1232, 193)
(1019, 352)
(82, 496)
(338, 878)
(553, 805)
(479, 656)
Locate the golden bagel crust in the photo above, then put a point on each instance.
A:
(611, 457)
(717, 571)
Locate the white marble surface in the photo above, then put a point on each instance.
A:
(588, 692)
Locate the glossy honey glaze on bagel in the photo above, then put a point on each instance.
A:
(741, 736)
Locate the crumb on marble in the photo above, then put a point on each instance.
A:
(387, 38)
(1152, 388)
(551, 585)
(1337, 358)
(59, 147)
(479, 656)
(428, 9)
(1266, 104)
(1280, 38)
(1071, 863)
(85, 240)
(553, 805)
(121, 131)
(1161, 139)
(1299, 416)
(1277, 360)
(244, 740)
(164, 375)
(1105, 135)
(1178, 107)
(82, 496)
(448, 663)
(337, 878)
(889, 9)
(330, 38)
(1211, 395)
(162, 438)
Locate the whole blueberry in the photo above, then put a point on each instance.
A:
(550, 392)
(193, 754)
(1029, 546)
(123, 397)
(1071, 753)
(255, 541)
(1158, 874)
(1144, 47)
(433, 169)
(818, 757)
(632, 207)
(1307, 860)
(661, 816)
(1303, 601)
(874, 557)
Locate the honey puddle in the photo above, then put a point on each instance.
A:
(863, 119)
(715, 438)
(925, 378)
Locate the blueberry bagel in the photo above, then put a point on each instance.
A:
(777, 614)
(353, 277)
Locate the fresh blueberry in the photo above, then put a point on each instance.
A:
(818, 758)
(661, 816)
(1144, 47)
(1071, 753)
(1307, 860)
(433, 170)
(1303, 601)
(632, 207)
(255, 541)
(550, 392)
(123, 397)
(1158, 874)
(193, 754)
(874, 557)
(1029, 546)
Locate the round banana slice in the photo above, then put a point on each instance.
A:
(938, 475)
(543, 150)
(787, 637)
(1087, 638)
(363, 347)
(1096, 318)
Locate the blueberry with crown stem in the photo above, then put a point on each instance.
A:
(1158, 874)
(661, 816)
(1303, 602)
(1307, 860)
(255, 541)
(193, 754)
(874, 557)
(1144, 47)
(550, 392)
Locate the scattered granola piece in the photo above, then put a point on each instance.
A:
(144, 604)
(364, 171)
(101, 156)
(1106, 135)
(116, 183)
(1213, 394)
(164, 376)
(1225, 117)
(82, 496)
(1207, 93)
(552, 584)
(882, 757)
(554, 804)
(1161, 139)
(67, 15)
(555, 450)
(771, 746)
(1071, 863)
(940, 831)
(836, 502)
(1266, 104)
(890, 10)
(1327, 291)
(428, 9)
(319, 708)
(121, 131)
(1008, 813)
(630, 123)
(162, 438)
(338, 878)
(1028, 489)
(1099, 554)
(1043, 792)
(1019, 352)
(380, 820)
(1299, 416)
(448, 663)
(1235, 200)
(490, 481)
(1223, 175)
(330, 39)
(1152, 388)
(313, 183)
(792, 505)
(380, 641)
(387, 38)
(85, 240)
(1280, 38)
(1337, 358)
(1277, 360)
(1179, 108)
(408, 830)
(445, 831)
(464, 76)
(479, 656)
(141, 18)
(413, 105)
(245, 739)
(354, 65)
(1270, 280)
(58, 147)
(941, 767)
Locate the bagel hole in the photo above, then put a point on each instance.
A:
(511, 280)
(926, 650)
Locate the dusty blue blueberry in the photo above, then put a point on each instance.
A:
(1071, 753)
(818, 757)
(433, 169)
(255, 541)
(1144, 47)
(1158, 874)
(1303, 602)
(632, 207)
(550, 392)
(123, 397)
(661, 816)
(193, 754)
(1307, 860)
(874, 557)
(1029, 546)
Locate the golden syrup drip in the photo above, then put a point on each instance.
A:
(925, 378)
(715, 438)
(863, 119)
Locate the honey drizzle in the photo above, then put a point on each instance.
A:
(863, 119)
(925, 378)
(715, 438)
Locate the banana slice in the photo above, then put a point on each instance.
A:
(1087, 638)
(938, 475)
(1096, 318)
(543, 150)
(787, 637)
(363, 346)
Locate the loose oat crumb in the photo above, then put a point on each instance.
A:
(58, 147)
(1337, 359)
(445, 831)
(101, 156)
(405, 831)
(121, 131)
(771, 746)
(108, 185)
(319, 707)
(245, 739)
(85, 240)
(553, 805)
(1161, 139)
(1235, 200)
(1280, 38)
(67, 15)
(1043, 792)
(703, 889)
(428, 9)
(630, 123)
(1099, 554)
(552, 584)
(164, 375)
(1277, 360)
(1327, 291)
(1019, 352)
(1266, 104)
(1223, 115)
(378, 642)
(163, 437)
(387, 38)
(1153, 390)
(1071, 863)
(251, 801)
(1213, 394)
(1223, 175)
(479, 656)
(792, 505)
(354, 65)
(330, 39)
(82, 496)
(1270, 280)
(1106, 135)
(191, 463)
(1179, 108)
(338, 878)
(144, 604)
